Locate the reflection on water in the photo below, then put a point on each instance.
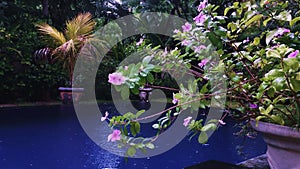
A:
(101, 159)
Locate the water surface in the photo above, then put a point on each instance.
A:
(50, 137)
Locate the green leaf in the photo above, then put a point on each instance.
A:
(253, 19)
(129, 115)
(203, 138)
(227, 10)
(277, 119)
(135, 128)
(256, 41)
(118, 87)
(125, 92)
(273, 53)
(295, 84)
(195, 105)
(292, 22)
(266, 21)
(131, 151)
(298, 75)
(147, 59)
(204, 89)
(236, 4)
(258, 118)
(216, 41)
(150, 78)
(290, 64)
(209, 126)
(139, 113)
(270, 36)
(284, 16)
(274, 73)
(125, 131)
(271, 91)
(268, 110)
(232, 26)
(279, 83)
(150, 145)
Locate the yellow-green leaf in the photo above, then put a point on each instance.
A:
(293, 21)
(253, 19)
(203, 138)
(131, 151)
(265, 22)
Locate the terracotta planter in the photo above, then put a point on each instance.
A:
(144, 94)
(283, 145)
(69, 94)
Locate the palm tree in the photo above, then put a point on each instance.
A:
(68, 44)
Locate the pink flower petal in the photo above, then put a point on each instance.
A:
(174, 101)
(114, 136)
(140, 42)
(199, 48)
(186, 27)
(293, 54)
(202, 5)
(222, 122)
(187, 121)
(200, 19)
(116, 78)
(203, 62)
(186, 42)
(105, 117)
(253, 106)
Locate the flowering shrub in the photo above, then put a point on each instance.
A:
(252, 45)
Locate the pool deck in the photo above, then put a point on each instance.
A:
(259, 162)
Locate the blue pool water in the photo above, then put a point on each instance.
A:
(50, 137)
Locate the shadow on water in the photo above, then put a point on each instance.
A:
(50, 137)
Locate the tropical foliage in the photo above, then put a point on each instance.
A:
(253, 46)
(67, 45)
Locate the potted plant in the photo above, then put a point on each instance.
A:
(64, 48)
(253, 46)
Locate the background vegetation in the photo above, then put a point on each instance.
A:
(24, 81)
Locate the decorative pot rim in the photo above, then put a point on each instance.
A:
(275, 129)
(75, 89)
(145, 89)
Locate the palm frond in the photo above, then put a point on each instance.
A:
(81, 26)
(46, 29)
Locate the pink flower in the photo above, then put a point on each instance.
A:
(200, 19)
(293, 54)
(203, 62)
(253, 106)
(187, 121)
(105, 117)
(185, 42)
(125, 67)
(165, 52)
(222, 122)
(140, 42)
(282, 31)
(116, 78)
(202, 5)
(174, 101)
(246, 40)
(186, 27)
(199, 48)
(176, 31)
(114, 136)
(274, 47)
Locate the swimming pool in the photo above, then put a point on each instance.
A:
(50, 137)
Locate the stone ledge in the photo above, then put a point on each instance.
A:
(259, 162)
